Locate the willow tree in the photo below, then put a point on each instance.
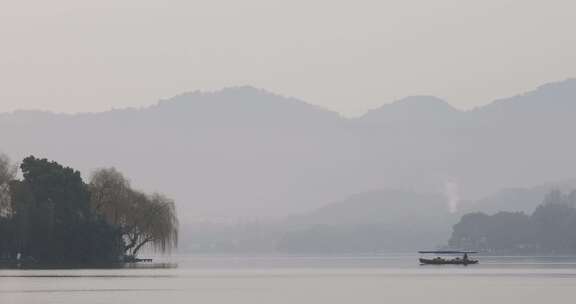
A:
(153, 222)
(144, 220)
(7, 169)
(7, 174)
(111, 195)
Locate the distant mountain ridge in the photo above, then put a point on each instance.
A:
(560, 94)
(248, 99)
(236, 104)
(244, 152)
(373, 221)
(411, 109)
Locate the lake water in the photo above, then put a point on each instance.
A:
(251, 280)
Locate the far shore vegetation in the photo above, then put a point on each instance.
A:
(549, 230)
(52, 216)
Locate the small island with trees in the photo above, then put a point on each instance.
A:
(51, 216)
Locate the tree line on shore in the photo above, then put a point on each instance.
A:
(550, 229)
(51, 215)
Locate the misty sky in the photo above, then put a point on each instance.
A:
(349, 56)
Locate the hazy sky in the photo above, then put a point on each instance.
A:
(349, 56)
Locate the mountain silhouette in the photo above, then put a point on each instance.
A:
(245, 152)
(413, 109)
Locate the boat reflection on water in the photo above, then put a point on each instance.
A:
(453, 259)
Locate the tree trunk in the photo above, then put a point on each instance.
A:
(135, 251)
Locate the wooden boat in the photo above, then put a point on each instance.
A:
(441, 261)
(447, 261)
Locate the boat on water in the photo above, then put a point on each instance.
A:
(439, 260)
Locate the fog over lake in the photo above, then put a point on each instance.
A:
(275, 151)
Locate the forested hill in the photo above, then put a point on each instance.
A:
(549, 229)
(245, 152)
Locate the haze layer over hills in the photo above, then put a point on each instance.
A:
(244, 152)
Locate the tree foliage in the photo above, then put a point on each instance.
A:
(52, 216)
(143, 219)
(7, 173)
(550, 229)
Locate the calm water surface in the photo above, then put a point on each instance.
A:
(386, 279)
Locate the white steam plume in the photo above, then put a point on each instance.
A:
(451, 192)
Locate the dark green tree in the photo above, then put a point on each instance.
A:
(53, 219)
